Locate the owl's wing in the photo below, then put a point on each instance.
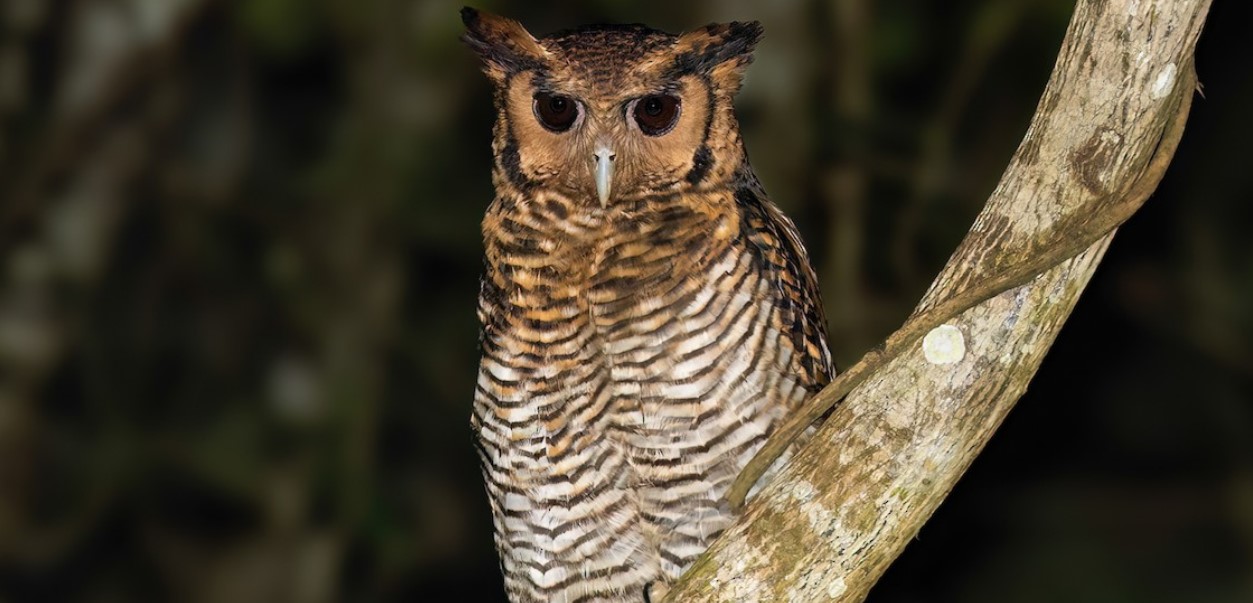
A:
(777, 244)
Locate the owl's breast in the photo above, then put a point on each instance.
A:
(634, 358)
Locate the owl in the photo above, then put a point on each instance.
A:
(647, 314)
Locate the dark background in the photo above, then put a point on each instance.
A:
(238, 258)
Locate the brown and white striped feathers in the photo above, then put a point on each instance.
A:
(648, 316)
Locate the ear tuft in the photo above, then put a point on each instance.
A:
(504, 45)
(469, 15)
(705, 49)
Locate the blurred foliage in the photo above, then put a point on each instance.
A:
(239, 253)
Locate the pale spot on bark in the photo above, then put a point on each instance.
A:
(803, 491)
(836, 588)
(944, 345)
(1164, 82)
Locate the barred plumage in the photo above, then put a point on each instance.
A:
(638, 350)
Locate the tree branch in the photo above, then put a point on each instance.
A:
(1103, 134)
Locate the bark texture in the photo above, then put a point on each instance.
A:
(829, 525)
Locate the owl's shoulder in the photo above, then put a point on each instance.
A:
(776, 245)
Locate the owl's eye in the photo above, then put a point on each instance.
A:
(657, 113)
(556, 112)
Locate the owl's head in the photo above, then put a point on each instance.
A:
(612, 112)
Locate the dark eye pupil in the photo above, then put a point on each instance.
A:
(656, 114)
(556, 113)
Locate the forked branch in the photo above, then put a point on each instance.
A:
(1103, 135)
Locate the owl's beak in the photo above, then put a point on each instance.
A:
(604, 173)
